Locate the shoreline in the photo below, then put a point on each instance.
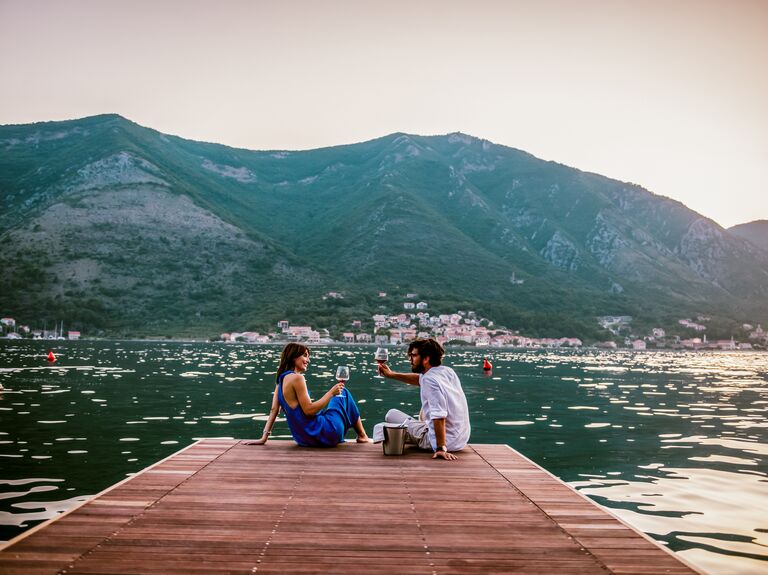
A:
(374, 345)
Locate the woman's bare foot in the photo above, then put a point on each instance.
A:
(362, 436)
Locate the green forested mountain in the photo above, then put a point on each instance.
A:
(119, 229)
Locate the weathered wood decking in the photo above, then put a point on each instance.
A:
(223, 507)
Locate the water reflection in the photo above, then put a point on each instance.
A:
(674, 443)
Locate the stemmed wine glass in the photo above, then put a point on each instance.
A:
(342, 374)
(381, 356)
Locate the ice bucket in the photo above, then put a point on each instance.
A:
(394, 438)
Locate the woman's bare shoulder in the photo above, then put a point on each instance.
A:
(294, 379)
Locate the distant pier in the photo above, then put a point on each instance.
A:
(218, 506)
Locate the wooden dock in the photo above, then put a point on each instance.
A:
(223, 507)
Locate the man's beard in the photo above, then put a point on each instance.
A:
(418, 368)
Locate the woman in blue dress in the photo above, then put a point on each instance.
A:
(321, 423)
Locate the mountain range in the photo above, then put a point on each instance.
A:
(122, 230)
(755, 232)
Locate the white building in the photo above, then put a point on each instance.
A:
(724, 344)
(692, 325)
(302, 333)
(247, 336)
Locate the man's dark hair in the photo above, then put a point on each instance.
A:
(428, 348)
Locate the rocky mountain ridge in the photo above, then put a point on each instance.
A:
(755, 232)
(131, 230)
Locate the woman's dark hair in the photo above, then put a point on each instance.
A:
(291, 352)
(428, 348)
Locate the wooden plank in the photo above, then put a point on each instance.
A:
(223, 507)
(614, 545)
(80, 530)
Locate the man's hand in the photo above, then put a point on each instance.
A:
(385, 370)
(409, 378)
(439, 454)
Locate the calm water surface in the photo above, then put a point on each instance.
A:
(676, 443)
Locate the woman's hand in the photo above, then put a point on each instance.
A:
(337, 389)
(261, 441)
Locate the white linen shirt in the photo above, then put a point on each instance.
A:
(443, 397)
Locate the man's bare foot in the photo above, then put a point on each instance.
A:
(363, 439)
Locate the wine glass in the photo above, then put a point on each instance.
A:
(381, 356)
(342, 374)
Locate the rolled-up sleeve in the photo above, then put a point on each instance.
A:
(435, 396)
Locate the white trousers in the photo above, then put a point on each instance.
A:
(417, 432)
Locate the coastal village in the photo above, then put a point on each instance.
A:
(467, 328)
(9, 330)
(458, 328)
(462, 327)
(756, 337)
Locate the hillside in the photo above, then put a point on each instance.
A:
(754, 232)
(121, 229)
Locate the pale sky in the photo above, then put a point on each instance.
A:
(668, 94)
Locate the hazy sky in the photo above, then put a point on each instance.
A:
(669, 94)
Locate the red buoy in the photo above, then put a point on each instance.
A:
(487, 364)
(51, 357)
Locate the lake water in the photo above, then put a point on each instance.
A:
(676, 443)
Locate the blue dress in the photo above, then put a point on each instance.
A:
(328, 427)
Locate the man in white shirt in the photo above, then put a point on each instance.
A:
(444, 423)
